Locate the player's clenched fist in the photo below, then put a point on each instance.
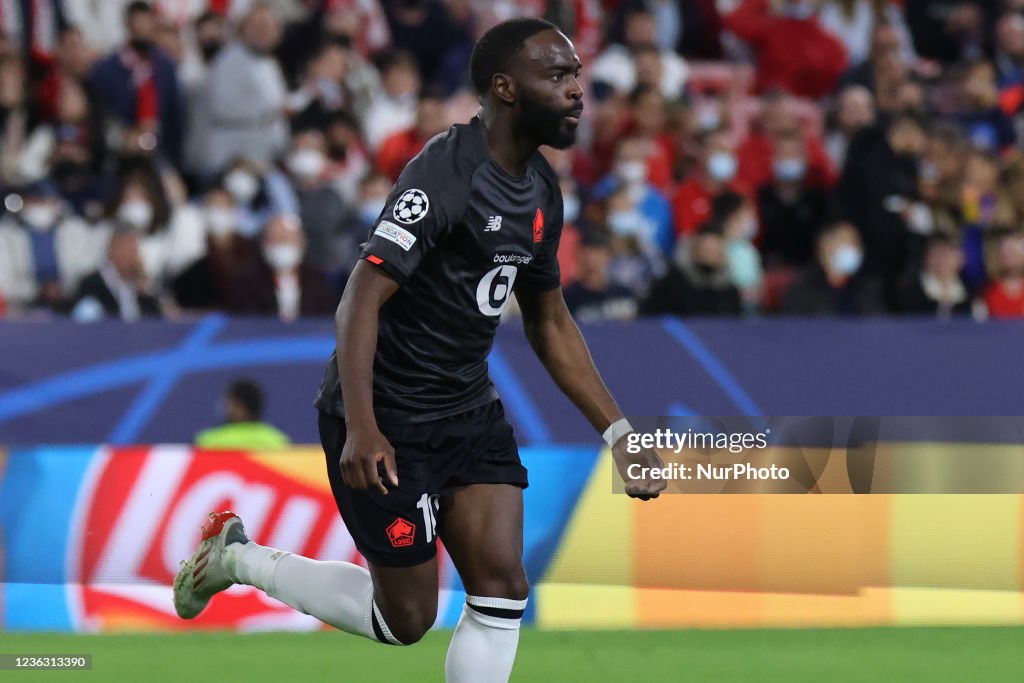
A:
(363, 450)
(639, 481)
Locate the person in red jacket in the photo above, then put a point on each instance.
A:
(398, 149)
(780, 119)
(713, 174)
(794, 53)
(1005, 296)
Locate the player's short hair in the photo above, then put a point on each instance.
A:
(496, 48)
(249, 394)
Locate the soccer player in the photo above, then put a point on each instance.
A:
(416, 440)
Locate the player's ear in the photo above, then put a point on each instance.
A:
(504, 88)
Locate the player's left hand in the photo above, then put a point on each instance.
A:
(644, 488)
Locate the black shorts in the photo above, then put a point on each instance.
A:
(433, 459)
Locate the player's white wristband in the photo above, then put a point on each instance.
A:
(616, 431)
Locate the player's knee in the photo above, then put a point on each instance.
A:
(510, 582)
(408, 623)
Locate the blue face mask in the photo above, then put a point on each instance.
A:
(790, 170)
(722, 166)
(846, 259)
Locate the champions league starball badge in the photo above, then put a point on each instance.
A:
(411, 207)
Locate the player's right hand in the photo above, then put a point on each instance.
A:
(363, 450)
(644, 488)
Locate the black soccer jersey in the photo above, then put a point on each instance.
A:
(458, 233)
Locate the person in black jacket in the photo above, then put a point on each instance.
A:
(791, 210)
(699, 284)
(835, 284)
(878, 187)
(119, 288)
(283, 283)
(937, 288)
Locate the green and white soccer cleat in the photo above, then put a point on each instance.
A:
(204, 574)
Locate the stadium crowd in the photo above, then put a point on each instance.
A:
(737, 157)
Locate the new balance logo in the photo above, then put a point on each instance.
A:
(493, 224)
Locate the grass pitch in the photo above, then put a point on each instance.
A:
(932, 655)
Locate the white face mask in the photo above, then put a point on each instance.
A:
(369, 209)
(722, 166)
(306, 163)
(846, 259)
(136, 213)
(283, 256)
(631, 172)
(40, 217)
(624, 223)
(220, 220)
(570, 208)
(242, 185)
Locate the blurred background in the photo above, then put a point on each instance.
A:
(783, 207)
(851, 157)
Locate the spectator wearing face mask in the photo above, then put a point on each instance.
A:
(698, 283)
(880, 182)
(835, 284)
(735, 218)
(170, 230)
(794, 53)
(937, 289)
(283, 284)
(324, 215)
(138, 85)
(247, 95)
(791, 211)
(593, 297)
(1004, 296)
(637, 260)
(119, 289)
(713, 175)
(205, 283)
(260, 191)
(44, 250)
(399, 148)
(780, 116)
(649, 215)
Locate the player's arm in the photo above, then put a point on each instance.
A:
(356, 324)
(557, 341)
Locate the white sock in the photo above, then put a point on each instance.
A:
(483, 648)
(336, 593)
